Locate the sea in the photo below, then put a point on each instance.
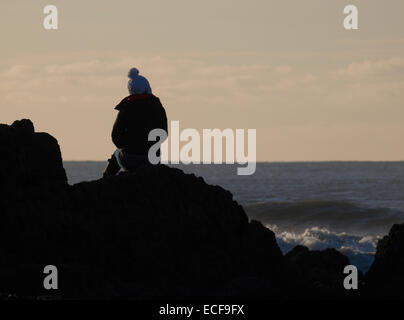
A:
(348, 206)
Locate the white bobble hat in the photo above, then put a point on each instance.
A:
(138, 84)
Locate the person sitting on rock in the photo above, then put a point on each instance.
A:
(139, 113)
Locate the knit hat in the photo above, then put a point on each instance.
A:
(138, 84)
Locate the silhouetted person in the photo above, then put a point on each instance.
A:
(138, 114)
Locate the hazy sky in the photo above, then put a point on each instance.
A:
(288, 68)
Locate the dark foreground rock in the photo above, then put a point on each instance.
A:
(321, 272)
(152, 234)
(161, 233)
(385, 277)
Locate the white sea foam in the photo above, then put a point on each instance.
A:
(359, 249)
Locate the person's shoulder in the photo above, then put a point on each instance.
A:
(122, 104)
(137, 99)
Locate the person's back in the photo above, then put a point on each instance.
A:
(139, 113)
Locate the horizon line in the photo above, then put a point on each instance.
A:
(265, 161)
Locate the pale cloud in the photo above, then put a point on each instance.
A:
(193, 79)
(283, 69)
(384, 67)
(77, 68)
(204, 92)
(17, 71)
(285, 85)
(309, 78)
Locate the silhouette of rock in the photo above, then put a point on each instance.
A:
(154, 233)
(319, 269)
(166, 233)
(150, 234)
(33, 185)
(385, 277)
(29, 159)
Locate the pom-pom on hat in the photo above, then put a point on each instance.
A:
(138, 84)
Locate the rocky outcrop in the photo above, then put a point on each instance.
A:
(385, 277)
(152, 234)
(319, 271)
(33, 187)
(29, 159)
(161, 233)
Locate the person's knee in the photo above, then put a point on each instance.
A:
(112, 167)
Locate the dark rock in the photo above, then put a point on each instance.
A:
(24, 127)
(28, 160)
(319, 269)
(385, 277)
(169, 234)
(33, 188)
(154, 233)
(150, 234)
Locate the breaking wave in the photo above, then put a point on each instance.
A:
(351, 229)
(359, 249)
(338, 216)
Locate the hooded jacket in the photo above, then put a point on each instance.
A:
(138, 115)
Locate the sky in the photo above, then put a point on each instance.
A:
(287, 68)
